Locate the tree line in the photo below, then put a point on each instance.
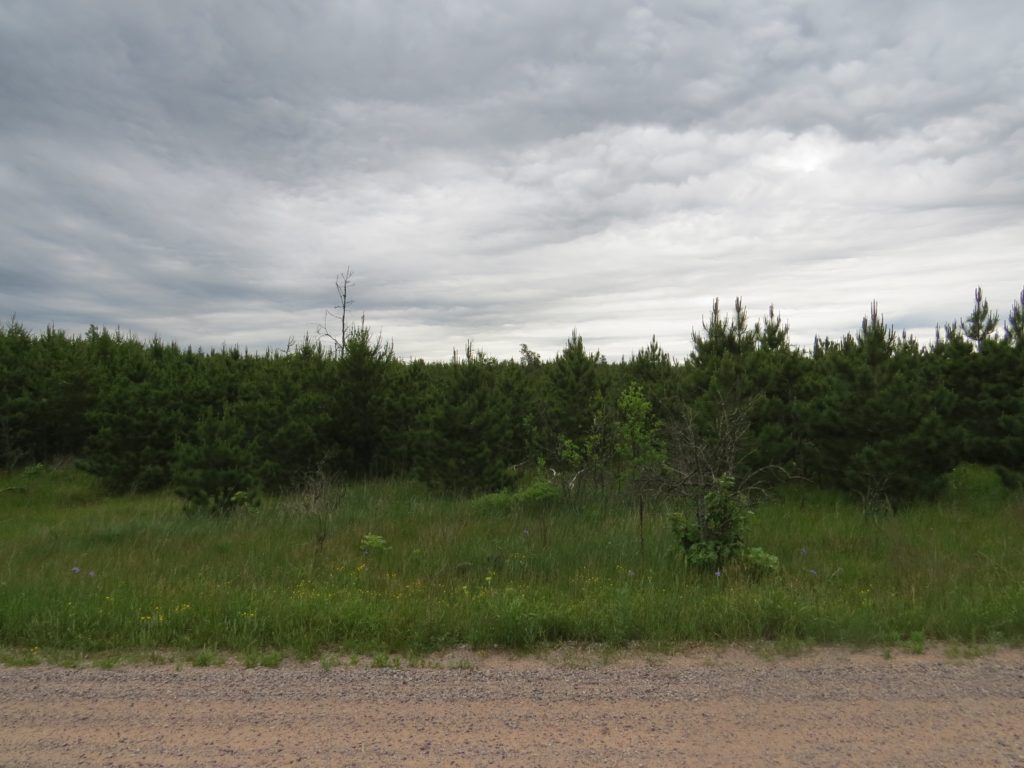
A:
(874, 413)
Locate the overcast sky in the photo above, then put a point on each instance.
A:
(507, 171)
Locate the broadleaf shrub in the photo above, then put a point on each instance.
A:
(538, 494)
(712, 534)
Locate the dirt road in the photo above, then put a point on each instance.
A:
(830, 708)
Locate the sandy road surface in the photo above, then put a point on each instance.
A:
(829, 707)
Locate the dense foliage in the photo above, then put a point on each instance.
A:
(875, 414)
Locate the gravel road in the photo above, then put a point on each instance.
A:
(830, 707)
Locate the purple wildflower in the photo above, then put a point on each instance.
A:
(76, 569)
(717, 574)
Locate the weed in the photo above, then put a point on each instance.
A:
(915, 643)
(966, 651)
(385, 661)
(373, 542)
(522, 579)
(316, 502)
(203, 658)
(787, 647)
(21, 658)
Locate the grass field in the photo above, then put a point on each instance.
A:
(81, 572)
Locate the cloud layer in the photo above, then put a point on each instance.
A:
(202, 171)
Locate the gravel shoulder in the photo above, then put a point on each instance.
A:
(708, 707)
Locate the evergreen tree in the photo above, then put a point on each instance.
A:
(17, 409)
(980, 326)
(285, 401)
(986, 376)
(873, 413)
(741, 384)
(875, 423)
(416, 391)
(61, 391)
(472, 435)
(653, 369)
(776, 384)
(1011, 421)
(1014, 328)
(361, 402)
(574, 397)
(136, 420)
(579, 401)
(530, 384)
(215, 471)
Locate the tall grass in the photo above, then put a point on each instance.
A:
(87, 572)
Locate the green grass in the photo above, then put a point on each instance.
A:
(448, 572)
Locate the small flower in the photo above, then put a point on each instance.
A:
(92, 574)
(76, 569)
(718, 574)
(812, 572)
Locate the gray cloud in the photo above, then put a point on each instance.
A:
(507, 172)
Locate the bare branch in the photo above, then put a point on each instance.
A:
(340, 312)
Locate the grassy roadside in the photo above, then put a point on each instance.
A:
(86, 574)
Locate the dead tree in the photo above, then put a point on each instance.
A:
(340, 312)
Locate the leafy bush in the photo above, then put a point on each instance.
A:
(971, 484)
(758, 563)
(713, 533)
(373, 542)
(538, 494)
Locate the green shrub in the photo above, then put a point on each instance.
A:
(971, 484)
(373, 542)
(216, 474)
(713, 534)
(757, 563)
(538, 494)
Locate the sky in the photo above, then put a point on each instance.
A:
(507, 172)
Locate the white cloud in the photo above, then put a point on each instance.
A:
(507, 173)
